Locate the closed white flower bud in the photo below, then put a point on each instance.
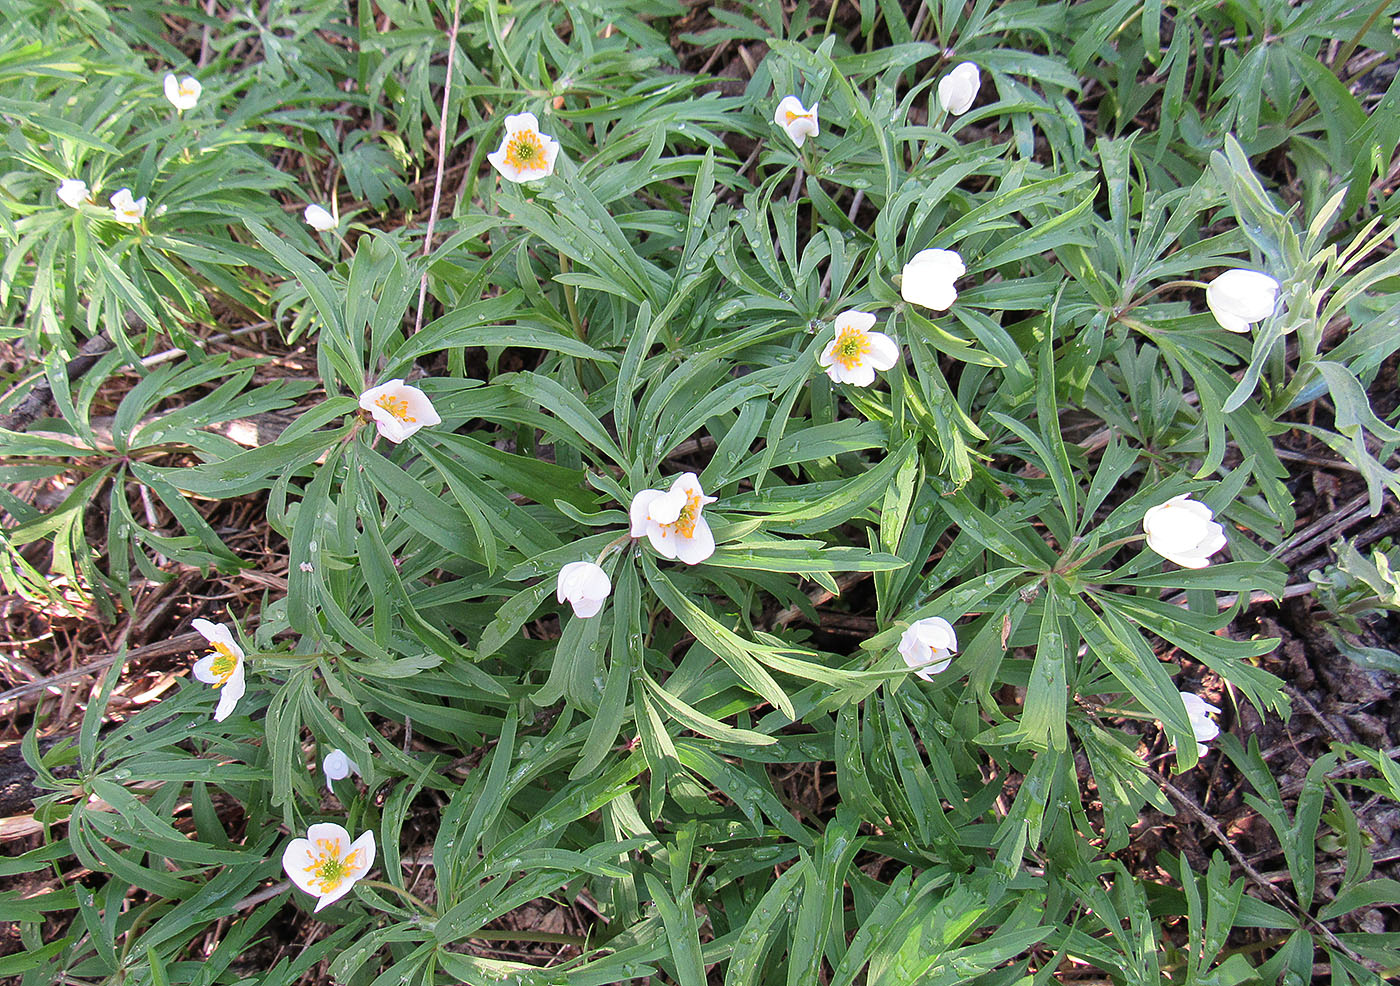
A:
(337, 766)
(931, 639)
(72, 192)
(585, 586)
(928, 279)
(318, 218)
(1239, 297)
(1181, 530)
(958, 89)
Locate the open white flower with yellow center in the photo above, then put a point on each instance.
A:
(326, 864)
(319, 218)
(337, 766)
(585, 585)
(1181, 530)
(525, 154)
(671, 520)
(928, 279)
(126, 209)
(182, 93)
(957, 90)
(928, 646)
(222, 667)
(797, 121)
(1239, 297)
(398, 409)
(1199, 711)
(72, 192)
(855, 352)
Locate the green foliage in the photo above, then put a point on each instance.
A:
(658, 305)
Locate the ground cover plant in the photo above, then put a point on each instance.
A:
(567, 493)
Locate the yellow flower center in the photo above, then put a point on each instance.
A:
(791, 116)
(186, 89)
(326, 867)
(525, 151)
(224, 665)
(684, 524)
(851, 347)
(397, 406)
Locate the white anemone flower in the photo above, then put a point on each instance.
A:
(855, 352)
(585, 585)
(1199, 711)
(525, 154)
(127, 210)
(72, 192)
(222, 667)
(337, 766)
(182, 93)
(398, 409)
(1181, 530)
(326, 864)
(931, 639)
(1240, 297)
(958, 89)
(318, 218)
(797, 121)
(671, 520)
(928, 279)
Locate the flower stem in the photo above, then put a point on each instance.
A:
(1143, 299)
(613, 545)
(1101, 549)
(382, 885)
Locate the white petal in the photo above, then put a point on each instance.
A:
(668, 506)
(230, 693)
(498, 161)
(585, 608)
(296, 858)
(319, 218)
(662, 539)
(172, 88)
(201, 669)
(884, 354)
(360, 856)
(860, 375)
(860, 321)
(217, 633)
(699, 546)
(641, 504)
(687, 483)
(521, 121)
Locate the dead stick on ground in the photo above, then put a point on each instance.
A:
(1211, 826)
(441, 161)
(37, 401)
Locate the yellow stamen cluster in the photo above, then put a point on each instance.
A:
(224, 665)
(684, 524)
(525, 150)
(851, 347)
(397, 406)
(327, 869)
